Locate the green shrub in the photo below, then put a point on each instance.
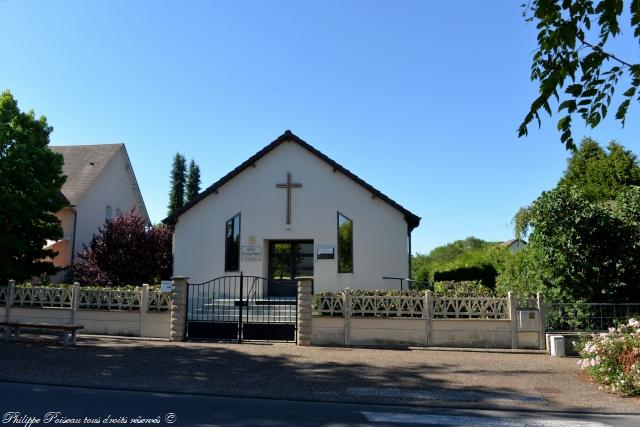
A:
(93, 287)
(484, 273)
(465, 289)
(444, 289)
(613, 358)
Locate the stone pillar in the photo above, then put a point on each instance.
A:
(513, 316)
(9, 300)
(75, 301)
(428, 307)
(179, 308)
(144, 307)
(346, 313)
(305, 285)
(542, 340)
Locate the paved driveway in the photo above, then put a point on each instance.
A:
(412, 376)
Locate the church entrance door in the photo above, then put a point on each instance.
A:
(289, 259)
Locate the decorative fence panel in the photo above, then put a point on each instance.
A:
(329, 305)
(88, 299)
(415, 306)
(109, 300)
(470, 308)
(42, 297)
(388, 306)
(159, 301)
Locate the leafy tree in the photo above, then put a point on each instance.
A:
(597, 174)
(31, 179)
(581, 249)
(176, 195)
(574, 50)
(600, 175)
(526, 274)
(125, 252)
(193, 182)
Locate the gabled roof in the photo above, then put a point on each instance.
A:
(82, 165)
(508, 243)
(412, 220)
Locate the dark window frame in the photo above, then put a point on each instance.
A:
(340, 214)
(227, 267)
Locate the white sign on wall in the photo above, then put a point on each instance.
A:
(325, 252)
(251, 253)
(166, 286)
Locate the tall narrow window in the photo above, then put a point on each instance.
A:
(345, 244)
(232, 244)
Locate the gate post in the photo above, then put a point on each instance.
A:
(346, 313)
(11, 291)
(304, 310)
(178, 308)
(428, 307)
(543, 324)
(513, 316)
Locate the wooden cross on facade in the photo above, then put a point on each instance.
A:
(289, 185)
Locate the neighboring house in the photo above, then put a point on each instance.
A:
(291, 211)
(514, 245)
(100, 185)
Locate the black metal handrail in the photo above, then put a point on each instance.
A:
(410, 282)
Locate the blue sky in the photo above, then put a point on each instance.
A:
(420, 99)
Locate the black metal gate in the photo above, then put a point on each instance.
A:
(242, 308)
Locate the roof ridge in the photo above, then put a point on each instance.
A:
(412, 220)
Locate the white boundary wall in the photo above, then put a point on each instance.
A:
(428, 321)
(136, 313)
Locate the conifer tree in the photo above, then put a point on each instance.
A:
(176, 195)
(193, 182)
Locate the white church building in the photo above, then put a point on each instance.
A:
(291, 211)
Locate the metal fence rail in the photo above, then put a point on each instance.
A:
(588, 317)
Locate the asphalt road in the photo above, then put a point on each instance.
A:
(29, 405)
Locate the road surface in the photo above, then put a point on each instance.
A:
(23, 404)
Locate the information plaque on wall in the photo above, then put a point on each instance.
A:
(166, 286)
(251, 253)
(325, 252)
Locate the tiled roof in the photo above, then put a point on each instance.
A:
(82, 165)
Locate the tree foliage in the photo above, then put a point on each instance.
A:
(125, 252)
(31, 179)
(581, 249)
(598, 174)
(193, 182)
(585, 239)
(574, 65)
(178, 177)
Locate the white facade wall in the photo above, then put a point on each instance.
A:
(115, 187)
(380, 243)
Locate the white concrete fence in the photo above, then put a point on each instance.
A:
(343, 319)
(427, 320)
(137, 312)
